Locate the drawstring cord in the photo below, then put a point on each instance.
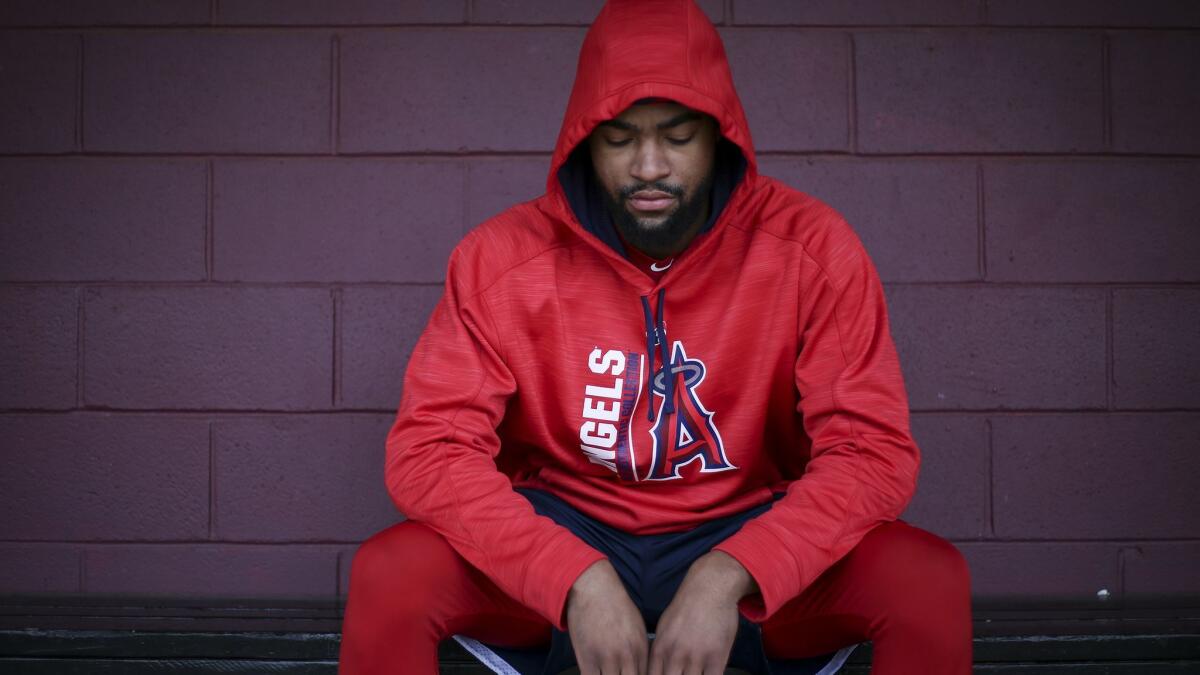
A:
(651, 338)
(656, 334)
(668, 367)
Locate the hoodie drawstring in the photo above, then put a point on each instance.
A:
(656, 334)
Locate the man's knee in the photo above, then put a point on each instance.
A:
(403, 565)
(917, 568)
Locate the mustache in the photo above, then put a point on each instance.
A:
(674, 190)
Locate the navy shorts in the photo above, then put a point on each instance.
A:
(652, 568)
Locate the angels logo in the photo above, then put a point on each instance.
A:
(604, 434)
(689, 434)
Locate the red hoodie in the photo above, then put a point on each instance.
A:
(534, 369)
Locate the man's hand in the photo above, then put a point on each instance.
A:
(606, 628)
(696, 632)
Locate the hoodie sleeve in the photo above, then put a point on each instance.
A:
(441, 468)
(863, 465)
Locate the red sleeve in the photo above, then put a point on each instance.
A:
(863, 465)
(441, 466)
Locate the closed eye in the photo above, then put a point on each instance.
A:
(680, 141)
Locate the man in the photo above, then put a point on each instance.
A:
(660, 398)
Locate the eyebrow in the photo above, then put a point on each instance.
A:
(685, 116)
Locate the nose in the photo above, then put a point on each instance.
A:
(650, 164)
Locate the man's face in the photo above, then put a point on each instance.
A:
(655, 163)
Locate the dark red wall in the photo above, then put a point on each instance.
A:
(224, 223)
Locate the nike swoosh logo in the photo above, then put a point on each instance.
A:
(654, 266)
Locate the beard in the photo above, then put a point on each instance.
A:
(658, 239)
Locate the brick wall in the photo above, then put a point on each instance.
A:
(224, 223)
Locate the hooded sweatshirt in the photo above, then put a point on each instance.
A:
(542, 365)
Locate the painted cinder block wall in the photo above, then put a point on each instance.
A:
(223, 225)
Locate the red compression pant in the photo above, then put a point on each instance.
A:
(903, 588)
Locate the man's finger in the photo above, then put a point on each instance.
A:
(673, 665)
(608, 668)
(656, 660)
(718, 665)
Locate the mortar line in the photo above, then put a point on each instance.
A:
(337, 574)
(213, 476)
(1109, 371)
(209, 170)
(981, 221)
(336, 393)
(212, 484)
(79, 96)
(991, 490)
(1106, 91)
(79, 314)
(465, 221)
(852, 96)
(335, 93)
(1120, 589)
(1121, 573)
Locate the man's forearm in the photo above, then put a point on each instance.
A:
(724, 575)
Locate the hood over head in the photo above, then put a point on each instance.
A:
(640, 49)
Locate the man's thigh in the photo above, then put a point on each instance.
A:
(894, 570)
(411, 565)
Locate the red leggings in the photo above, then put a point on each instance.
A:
(903, 588)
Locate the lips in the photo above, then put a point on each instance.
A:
(651, 200)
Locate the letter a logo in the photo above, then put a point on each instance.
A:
(689, 434)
